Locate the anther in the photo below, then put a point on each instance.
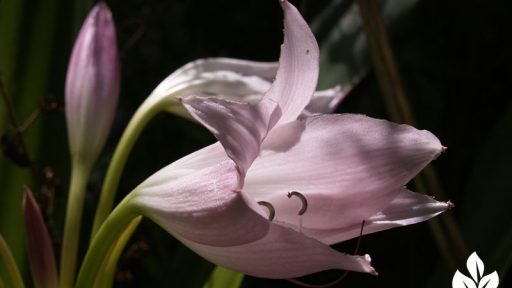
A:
(271, 210)
(302, 198)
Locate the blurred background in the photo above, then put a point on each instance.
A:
(453, 59)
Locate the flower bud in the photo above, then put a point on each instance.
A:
(92, 85)
(39, 245)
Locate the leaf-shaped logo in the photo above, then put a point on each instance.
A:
(490, 281)
(476, 270)
(461, 281)
(475, 266)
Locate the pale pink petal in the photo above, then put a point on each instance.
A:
(233, 78)
(406, 209)
(297, 75)
(349, 165)
(295, 80)
(282, 253)
(203, 207)
(325, 101)
(198, 160)
(239, 127)
(224, 78)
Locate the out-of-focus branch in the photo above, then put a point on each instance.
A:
(399, 110)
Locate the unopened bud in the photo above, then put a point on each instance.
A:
(92, 85)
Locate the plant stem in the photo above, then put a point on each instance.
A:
(399, 109)
(155, 103)
(139, 120)
(7, 259)
(106, 274)
(79, 176)
(107, 235)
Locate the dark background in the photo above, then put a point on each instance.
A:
(454, 59)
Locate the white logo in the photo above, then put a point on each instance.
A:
(476, 269)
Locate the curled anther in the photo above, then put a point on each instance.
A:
(271, 210)
(302, 198)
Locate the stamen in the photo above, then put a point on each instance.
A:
(302, 198)
(337, 281)
(271, 210)
(359, 239)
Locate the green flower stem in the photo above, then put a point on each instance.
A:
(154, 104)
(105, 277)
(105, 238)
(79, 176)
(7, 260)
(139, 120)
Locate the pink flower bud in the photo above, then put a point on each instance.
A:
(92, 84)
(39, 245)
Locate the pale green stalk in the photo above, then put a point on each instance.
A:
(139, 120)
(79, 176)
(106, 274)
(105, 238)
(7, 259)
(155, 103)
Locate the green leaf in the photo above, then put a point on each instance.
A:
(224, 278)
(25, 63)
(343, 47)
(484, 202)
(487, 199)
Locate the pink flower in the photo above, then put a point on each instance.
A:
(348, 168)
(92, 84)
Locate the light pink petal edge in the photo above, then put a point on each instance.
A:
(406, 209)
(298, 70)
(282, 253)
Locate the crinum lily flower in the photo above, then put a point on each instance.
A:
(346, 168)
